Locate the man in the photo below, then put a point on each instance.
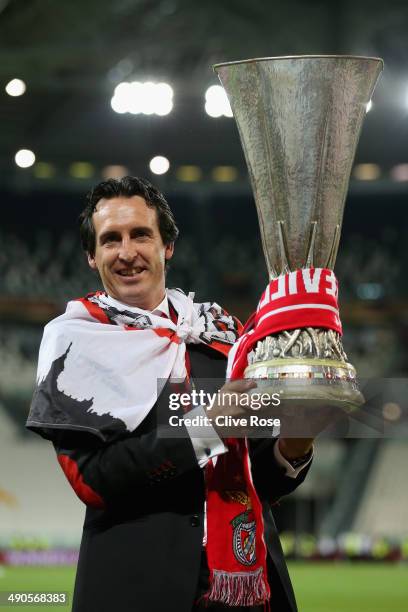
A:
(96, 399)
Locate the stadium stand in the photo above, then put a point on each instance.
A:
(383, 509)
(40, 505)
(218, 257)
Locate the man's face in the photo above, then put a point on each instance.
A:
(129, 251)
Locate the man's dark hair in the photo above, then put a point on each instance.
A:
(127, 187)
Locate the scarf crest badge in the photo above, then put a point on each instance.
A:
(244, 530)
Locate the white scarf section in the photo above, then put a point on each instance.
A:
(122, 366)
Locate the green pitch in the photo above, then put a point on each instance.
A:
(319, 587)
(345, 587)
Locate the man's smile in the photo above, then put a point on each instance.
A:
(133, 273)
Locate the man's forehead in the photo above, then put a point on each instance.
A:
(104, 205)
(123, 210)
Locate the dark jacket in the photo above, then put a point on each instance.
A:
(142, 539)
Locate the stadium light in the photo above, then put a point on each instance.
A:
(399, 173)
(391, 411)
(370, 291)
(44, 170)
(189, 173)
(164, 99)
(159, 164)
(216, 102)
(121, 98)
(367, 172)
(224, 174)
(143, 98)
(116, 171)
(24, 158)
(15, 87)
(81, 170)
(147, 98)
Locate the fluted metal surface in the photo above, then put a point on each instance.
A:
(299, 120)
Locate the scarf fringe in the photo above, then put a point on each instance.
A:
(238, 589)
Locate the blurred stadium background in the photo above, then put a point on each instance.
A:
(65, 124)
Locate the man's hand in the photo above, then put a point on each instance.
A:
(229, 403)
(295, 448)
(311, 421)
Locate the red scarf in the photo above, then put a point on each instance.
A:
(236, 550)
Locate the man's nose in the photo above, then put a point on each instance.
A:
(127, 251)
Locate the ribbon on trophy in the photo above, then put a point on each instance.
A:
(300, 299)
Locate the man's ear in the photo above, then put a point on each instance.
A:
(92, 262)
(168, 253)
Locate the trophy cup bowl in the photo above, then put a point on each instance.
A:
(299, 119)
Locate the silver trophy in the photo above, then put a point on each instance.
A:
(299, 120)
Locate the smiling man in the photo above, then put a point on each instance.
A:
(148, 544)
(129, 252)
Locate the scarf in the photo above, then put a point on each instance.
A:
(236, 550)
(103, 364)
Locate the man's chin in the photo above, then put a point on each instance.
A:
(139, 294)
(129, 297)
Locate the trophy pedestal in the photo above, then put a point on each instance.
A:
(299, 381)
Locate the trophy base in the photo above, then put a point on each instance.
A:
(304, 381)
